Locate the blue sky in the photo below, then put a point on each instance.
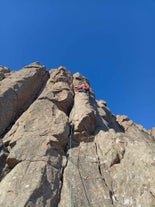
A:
(111, 42)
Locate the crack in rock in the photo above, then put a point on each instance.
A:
(111, 193)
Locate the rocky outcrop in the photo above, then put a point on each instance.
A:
(83, 113)
(37, 141)
(18, 91)
(67, 149)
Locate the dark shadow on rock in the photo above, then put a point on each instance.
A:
(43, 195)
(108, 117)
(112, 122)
(3, 157)
(104, 123)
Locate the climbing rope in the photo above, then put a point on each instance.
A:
(71, 166)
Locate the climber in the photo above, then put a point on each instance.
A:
(82, 88)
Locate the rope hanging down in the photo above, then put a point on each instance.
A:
(71, 166)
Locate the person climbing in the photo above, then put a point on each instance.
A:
(83, 88)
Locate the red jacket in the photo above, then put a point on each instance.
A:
(83, 86)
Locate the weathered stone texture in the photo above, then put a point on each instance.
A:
(106, 161)
(18, 91)
(36, 144)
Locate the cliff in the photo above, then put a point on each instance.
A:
(60, 147)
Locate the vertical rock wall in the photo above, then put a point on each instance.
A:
(105, 161)
(33, 171)
(18, 91)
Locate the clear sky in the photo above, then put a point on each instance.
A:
(111, 42)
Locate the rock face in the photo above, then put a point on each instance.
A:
(18, 91)
(61, 147)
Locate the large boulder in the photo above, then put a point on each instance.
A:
(59, 89)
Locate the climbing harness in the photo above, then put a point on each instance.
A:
(84, 91)
(71, 132)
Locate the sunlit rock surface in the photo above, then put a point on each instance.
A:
(61, 147)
